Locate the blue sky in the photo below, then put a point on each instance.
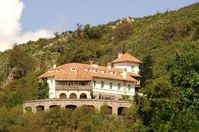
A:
(61, 15)
(25, 20)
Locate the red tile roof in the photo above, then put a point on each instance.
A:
(86, 72)
(134, 75)
(126, 58)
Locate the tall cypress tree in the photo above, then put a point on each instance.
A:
(146, 69)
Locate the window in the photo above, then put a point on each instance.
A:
(136, 90)
(132, 69)
(83, 83)
(102, 84)
(73, 69)
(129, 87)
(119, 86)
(94, 83)
(111, 85)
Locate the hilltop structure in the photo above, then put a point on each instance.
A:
(85, 81)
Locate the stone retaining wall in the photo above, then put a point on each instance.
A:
(97, 103)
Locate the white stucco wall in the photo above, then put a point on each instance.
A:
(124, 89)
(51, 84)
(130, 67)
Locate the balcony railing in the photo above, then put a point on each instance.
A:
(73, 87)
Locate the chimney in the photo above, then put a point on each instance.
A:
(124, 73)
(93, 63)
(109, 65)
(54, 66)
(119, 55)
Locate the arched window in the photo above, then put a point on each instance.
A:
(40, 108)
(62, 96)
(83, 96)
(73, 96)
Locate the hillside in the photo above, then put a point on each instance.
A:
(162, 36)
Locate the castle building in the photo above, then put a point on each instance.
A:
(85, 81)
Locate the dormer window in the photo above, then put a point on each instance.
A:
(73, 69)
(110, 72)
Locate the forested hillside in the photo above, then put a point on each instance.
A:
(168, 45)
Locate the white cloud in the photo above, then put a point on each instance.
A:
(41, 33)
(10, 26)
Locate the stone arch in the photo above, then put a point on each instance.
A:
(28, 109)
(73, 96)
(111, 109)
(88, 107)
(105, 109)
(71, 107)
(62, 96)
(83, 96)
(121, 110)
(91, 106)
(40, 108)
(54, 107)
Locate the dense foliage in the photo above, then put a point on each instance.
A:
(185, 75)
(167, 44)
(43, 89)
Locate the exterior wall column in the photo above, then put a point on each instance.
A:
(114, 110)
(46, 108)
(98, 107)
(62, 106)
(23, 106)
(34, 110)
(78, 94)
(67, 95)
(88, 95)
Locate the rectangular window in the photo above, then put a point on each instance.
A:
(94, 83)
(83, 83)
(136, 90)
(129, 87)
(102, 84)
(119, 86)
(111, 85)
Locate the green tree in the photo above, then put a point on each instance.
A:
(43, 89)
(20, 62)
(146, 69)
(105, 110)
(93, 32)
(78, 51)
(195, 28)
(184, 71)
(122, 31)
(158, 95)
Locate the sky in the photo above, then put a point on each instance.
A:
(24, 20)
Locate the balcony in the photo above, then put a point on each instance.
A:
(73, 85)
(77, 87)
